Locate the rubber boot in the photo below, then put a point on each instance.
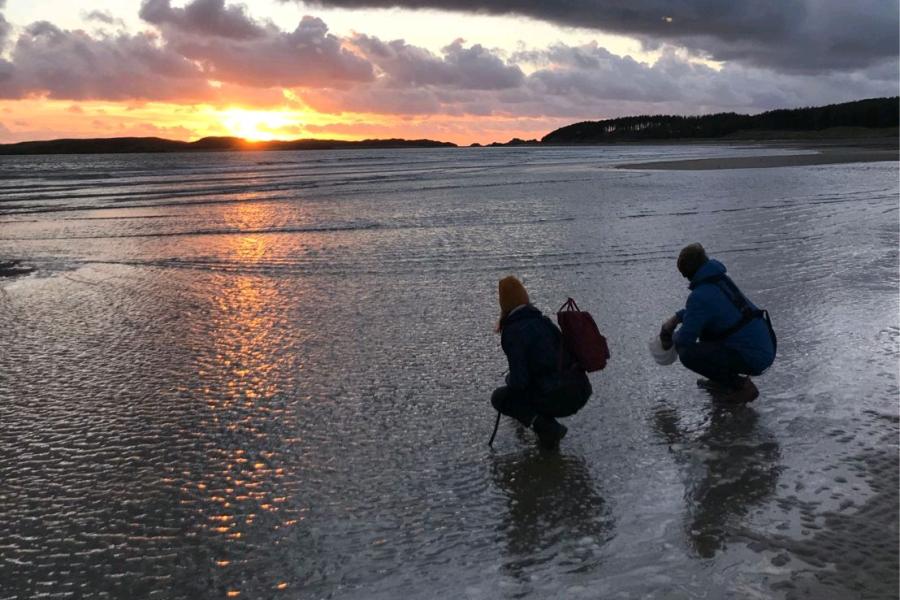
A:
(549, 431)
(713, 387)
(744, 394)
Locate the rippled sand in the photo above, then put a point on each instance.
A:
(268, 375)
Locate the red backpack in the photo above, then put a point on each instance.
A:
(582, 338)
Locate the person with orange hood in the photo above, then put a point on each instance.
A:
(544, 381)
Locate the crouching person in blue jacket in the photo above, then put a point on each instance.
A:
(723, 336)
(544, 381)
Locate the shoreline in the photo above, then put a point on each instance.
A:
(824, 153)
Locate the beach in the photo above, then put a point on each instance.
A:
(267, 374)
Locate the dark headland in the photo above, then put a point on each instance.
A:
(207, 144)
(860, 131)
(861, 118)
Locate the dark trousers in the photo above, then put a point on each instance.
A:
(715, 362)
(567, 399)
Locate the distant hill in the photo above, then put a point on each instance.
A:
(515, 142)
(859, 119)
(873, 113)
(207, 144)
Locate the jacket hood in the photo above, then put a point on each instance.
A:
(712, 268)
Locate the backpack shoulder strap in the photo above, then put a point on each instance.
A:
(565, 360)
(734, 295)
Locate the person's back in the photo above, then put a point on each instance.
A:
(534, 343)
(710, 311)
(722, 335)
(543, 382)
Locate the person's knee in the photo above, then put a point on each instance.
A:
(690, 357)
(684, 352)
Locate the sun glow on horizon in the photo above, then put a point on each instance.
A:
(46, 119)
(260, 125)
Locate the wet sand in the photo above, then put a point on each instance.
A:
(824, 154)
(268, 376)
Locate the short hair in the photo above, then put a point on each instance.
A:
(690, 259)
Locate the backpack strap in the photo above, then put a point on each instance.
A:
(569, 305)
(565, 361)
(734, 295)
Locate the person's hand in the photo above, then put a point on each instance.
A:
(668, 328)
(666, 332)
(665, 340)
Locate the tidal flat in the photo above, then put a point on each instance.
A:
(263, 375)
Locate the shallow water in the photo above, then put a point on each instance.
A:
(267, 375)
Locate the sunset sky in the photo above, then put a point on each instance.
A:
(455, 70)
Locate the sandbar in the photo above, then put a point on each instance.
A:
(851, 152)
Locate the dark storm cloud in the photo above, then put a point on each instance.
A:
(794, 35)
(205, 17)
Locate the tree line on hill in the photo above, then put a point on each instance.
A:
(871, 113)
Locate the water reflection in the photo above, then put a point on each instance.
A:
(238, 496)
(250, 248)
(555, 514)
(242, 496)
(730, 464)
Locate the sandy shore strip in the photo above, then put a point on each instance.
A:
(823, 156)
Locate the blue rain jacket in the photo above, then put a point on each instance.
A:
(709, 312)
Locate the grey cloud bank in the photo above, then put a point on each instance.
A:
(73, 65)
(209, 17)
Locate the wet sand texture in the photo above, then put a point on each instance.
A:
(261, 375)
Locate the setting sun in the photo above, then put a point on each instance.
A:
(260, 125)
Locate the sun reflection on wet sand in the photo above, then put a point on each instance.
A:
(241, 366)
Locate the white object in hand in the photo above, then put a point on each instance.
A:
(662, 357)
